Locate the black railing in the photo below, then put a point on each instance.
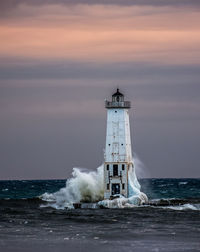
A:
(124, 104)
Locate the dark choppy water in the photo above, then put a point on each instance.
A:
(171, 222)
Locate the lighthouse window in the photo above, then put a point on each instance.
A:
(115, 111)
(108, 187)
(123, 186)
(107, 167)
(115, 170)
(123, 166)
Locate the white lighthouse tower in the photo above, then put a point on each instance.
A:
(118, 154)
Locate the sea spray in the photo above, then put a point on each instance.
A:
(140, 168)
(133, 184)
(88, 187)
(82, 187)
(135, 197)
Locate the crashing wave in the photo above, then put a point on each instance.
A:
(88, 187)
(82, 187)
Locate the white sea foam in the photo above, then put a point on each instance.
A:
(89, 187)
(183, 183)
(184, 207)
(123, 202)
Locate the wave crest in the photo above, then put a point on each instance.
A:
(88, 187)
(82, 187)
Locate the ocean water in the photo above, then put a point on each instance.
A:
(169, 222)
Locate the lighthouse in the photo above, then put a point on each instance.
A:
(118, 154)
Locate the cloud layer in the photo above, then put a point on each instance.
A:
(100, 33)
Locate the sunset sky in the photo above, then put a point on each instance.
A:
(60, 59)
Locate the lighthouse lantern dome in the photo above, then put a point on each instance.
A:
(117, 96)
(117, 101)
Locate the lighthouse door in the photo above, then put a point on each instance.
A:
(115, 189)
